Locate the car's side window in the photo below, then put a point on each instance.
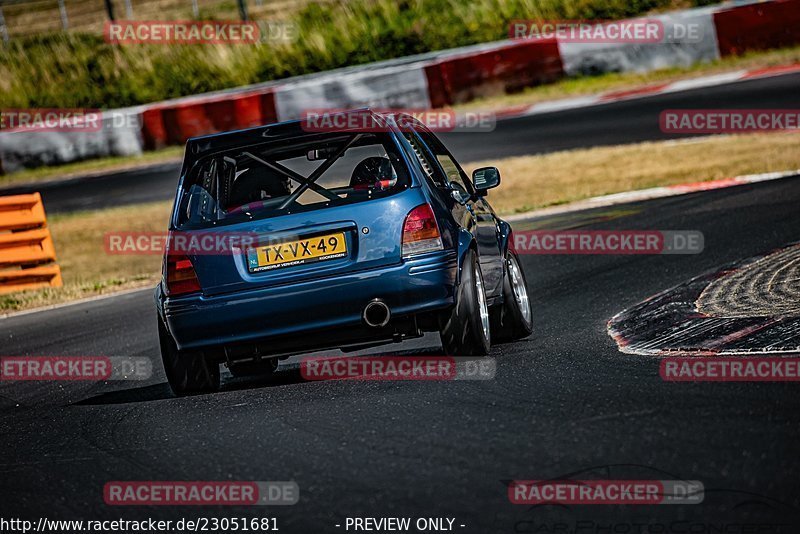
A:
(426, 159)
(452, 170)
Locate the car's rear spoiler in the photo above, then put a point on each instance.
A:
(197, 147)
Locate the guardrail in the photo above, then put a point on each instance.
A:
(27, 254)
(437, 79)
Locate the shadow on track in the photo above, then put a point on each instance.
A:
(162, 391)
(287, 375)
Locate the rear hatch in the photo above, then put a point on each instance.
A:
(291, 209)
(304, 246)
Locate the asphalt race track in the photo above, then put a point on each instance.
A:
(610, 124)
(564, 402)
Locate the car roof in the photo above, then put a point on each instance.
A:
(201, 146)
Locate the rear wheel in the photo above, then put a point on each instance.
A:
(187, 372)
(466, 330)
(514, 318)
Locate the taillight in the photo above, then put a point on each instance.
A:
(420, 232)
(181, 278)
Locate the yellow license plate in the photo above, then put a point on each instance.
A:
(300, 252)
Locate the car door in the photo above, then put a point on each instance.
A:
(486, 228)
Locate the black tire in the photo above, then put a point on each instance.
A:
(262, 368)
(462, 330)
(509, 320)
(187, 372)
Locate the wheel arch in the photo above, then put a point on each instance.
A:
(505, 236)
(466, 242)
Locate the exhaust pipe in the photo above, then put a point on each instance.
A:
(376, 314)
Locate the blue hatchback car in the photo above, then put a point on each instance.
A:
(339, 238)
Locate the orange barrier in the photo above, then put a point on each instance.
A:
(25, 245)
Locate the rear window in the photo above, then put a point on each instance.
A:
(290, 175)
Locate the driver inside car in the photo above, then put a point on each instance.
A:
(255, 185)
(376, 171)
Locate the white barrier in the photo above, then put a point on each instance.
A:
(677, 50)
(119, 135)
(402, 86)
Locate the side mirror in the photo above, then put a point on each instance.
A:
(484, 179)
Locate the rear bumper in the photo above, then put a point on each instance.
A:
(416, 286)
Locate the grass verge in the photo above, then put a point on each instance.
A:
(85, 267)
(529, 182)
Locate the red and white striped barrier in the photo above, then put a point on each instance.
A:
(507, 68)
(431, 80)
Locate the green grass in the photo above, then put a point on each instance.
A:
(532, 182)
(31, 18)
(80, 70)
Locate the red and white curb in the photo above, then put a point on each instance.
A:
(678, 322)
(643, 92)
(652, 193)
